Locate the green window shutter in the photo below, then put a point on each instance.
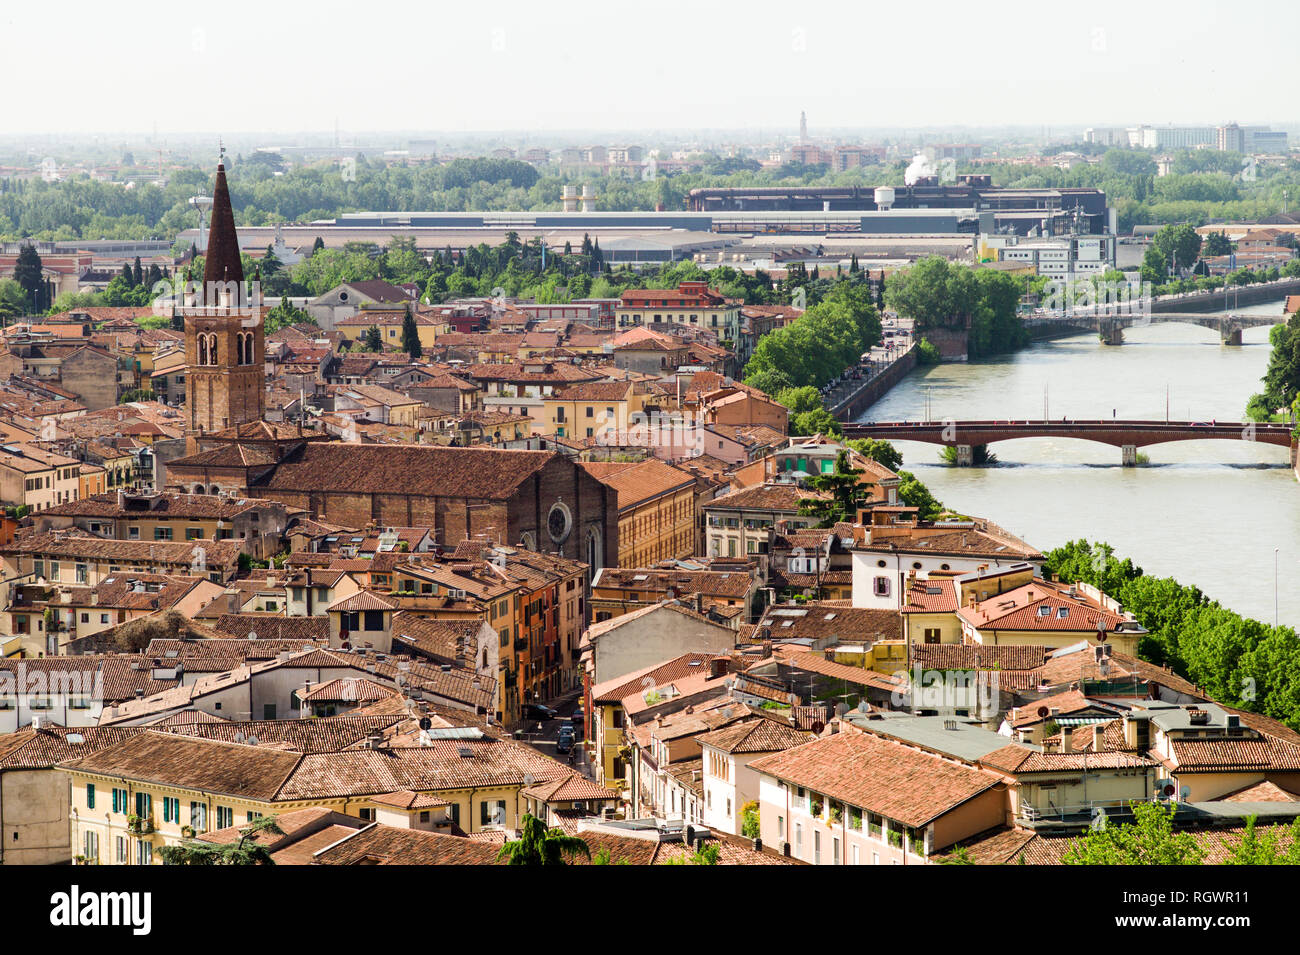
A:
(90, 795)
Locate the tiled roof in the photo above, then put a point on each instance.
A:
(443, 764)
(1266, 791)
(231, 769)
(390, 845)
(1040, 605)
(756, 735)
(479, 473)
(764, 497)
(936, 595)
(405, 799)
(346, 690)
(360, 601)
(329, 734)
(710, 583)
(72, 544)
(638, 483)
(957, 656)
(688, 664)
(30, 748)
(295, 630)
(570, 787)
(818, 621)
(878, 775)
(1228, 755)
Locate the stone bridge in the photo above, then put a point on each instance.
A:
(1128, 436)
(1111, 326)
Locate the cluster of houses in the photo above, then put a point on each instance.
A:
(244, 607)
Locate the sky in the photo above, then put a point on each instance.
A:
(441, 67)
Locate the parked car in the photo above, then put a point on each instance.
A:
(535, 711)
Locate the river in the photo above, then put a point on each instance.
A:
(1208, 513)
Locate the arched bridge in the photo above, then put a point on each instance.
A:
(1126, 435)
(1111, 326)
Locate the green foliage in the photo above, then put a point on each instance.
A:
(958, 856)
(878, 450)
(827, 338)
(136, 394)
(937, 293)
(981, 456)
(411, 336)
(847, 494)
(1282, 378)
(703, 855)
(286, 313)
(807, 413)
(927, 353)
(1149, 839)
(247, 850)
(1238, 661)
(538, 845)
(749, 820)
(1277, 846)
(28, 275)
(915, 494)
(603, 857)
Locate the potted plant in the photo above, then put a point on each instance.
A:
(187, 832)
(817, 806)
(836, 815)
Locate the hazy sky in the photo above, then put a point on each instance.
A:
(440, 66)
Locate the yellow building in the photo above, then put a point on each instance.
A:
(157, 789)
(656, 510)
(389, 322)
(592, 410)
(37, 479)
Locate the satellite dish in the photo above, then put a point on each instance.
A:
(1169, 789)
(426, 723)
(817, 727)
(252, 634)
(1186, 791)
(1043, 711)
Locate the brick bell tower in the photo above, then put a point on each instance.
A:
(225, 343)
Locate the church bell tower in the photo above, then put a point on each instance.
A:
(225, 343)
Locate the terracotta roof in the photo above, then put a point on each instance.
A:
(570, 787)
(878, 775)
(329, 734)
(405, 799)
(390, 845)
(1228, 755)
(347, 690)
(1041, 605)
(764, 497)
(362, 600)
(637, 483)
(1265, 791)
(230, 769)
(821, 621)
(956, 656)
(755, 735)
(479, 473)
(295, 632)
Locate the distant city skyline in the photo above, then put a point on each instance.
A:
(458, 71)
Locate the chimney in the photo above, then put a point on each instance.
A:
(1066, 739)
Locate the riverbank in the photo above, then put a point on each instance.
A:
(874, 388)
(1050, 491)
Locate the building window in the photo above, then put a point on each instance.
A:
(881, 587)
(90, 795)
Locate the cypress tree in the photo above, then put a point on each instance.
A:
(411, 336)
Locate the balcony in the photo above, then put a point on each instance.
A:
(140, 825)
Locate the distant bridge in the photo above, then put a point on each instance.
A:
(1126, 435)
(1111, 326)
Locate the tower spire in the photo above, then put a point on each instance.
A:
(223, 263)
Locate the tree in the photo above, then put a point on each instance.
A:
(703, 855)
(1268, 849)
(374, 339)
(1216, 243)
(13, 299)
(846, 494)
(749, 820)
(915, 494)
(1149, 839)
(411, 336)
(1179, 244)
(538, 845)
(247, 850)
(28, 274)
